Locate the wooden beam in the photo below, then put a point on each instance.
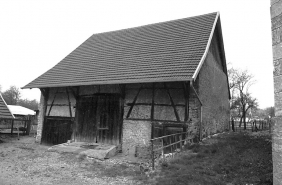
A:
(155, 120)
(156, 104)
(187, 97)
(69, 102)
(153, 102)
(76, 114)
(133, 103)
(172, 103)
(52, 102)
(12, 127)
(75, 94)
(122, 90)
(152, 130)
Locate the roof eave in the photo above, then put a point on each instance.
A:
(109, 83)
(7, 106)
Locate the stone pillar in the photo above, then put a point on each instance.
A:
(136, 134)
(276, 24)
(40, 119)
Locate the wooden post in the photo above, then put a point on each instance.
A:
(153, 102)
(180, 142)
(162, 147)
(172, 103)
(153, 157)
(170, 141)
(45, 93)
(69, 102)
(12, 127)
(152, 130)
(52, 103)
(133, 103)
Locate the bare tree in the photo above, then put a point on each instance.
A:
(241, 99)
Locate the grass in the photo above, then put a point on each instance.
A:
(236, 158)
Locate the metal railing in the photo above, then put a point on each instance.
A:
(170, 142)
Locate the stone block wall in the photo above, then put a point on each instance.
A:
(276, 24)
(135, 134)
(40, 119)
(213, 90)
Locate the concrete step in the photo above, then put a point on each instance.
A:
(93, 150)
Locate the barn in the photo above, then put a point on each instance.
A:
(125, 87)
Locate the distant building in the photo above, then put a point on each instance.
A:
(20, 111)
(5, 112)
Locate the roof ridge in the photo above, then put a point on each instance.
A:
(153, 24)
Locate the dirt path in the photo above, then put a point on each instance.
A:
(24, 162)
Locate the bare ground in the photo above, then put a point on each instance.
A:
(25, 162)
(229, 158)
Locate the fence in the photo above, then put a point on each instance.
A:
(168, 144)
(14, 126)
(257, 125)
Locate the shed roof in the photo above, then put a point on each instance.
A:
(20, 110)
(4, 110)
(167, 51)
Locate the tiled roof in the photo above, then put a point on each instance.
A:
(4, 110)
(167, 51)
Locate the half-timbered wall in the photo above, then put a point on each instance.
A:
(144, 104)
(61, 102)
(150, 104)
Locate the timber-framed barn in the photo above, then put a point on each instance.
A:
(125, 87)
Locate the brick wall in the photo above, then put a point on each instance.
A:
(276, 21)
(213, 92)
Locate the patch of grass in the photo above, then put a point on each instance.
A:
(236, 158)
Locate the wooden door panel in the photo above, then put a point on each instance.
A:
(99, 119)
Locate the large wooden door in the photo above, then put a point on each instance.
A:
(99, 119)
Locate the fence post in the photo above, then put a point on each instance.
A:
(153, 157)
(180, 142)
(12, 127)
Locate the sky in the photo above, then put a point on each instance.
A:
(36, 35)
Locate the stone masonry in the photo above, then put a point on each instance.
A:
(212, 85)
(276, 22)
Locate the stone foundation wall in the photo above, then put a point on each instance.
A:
(135, 134)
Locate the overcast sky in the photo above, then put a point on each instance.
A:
(36, 35)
